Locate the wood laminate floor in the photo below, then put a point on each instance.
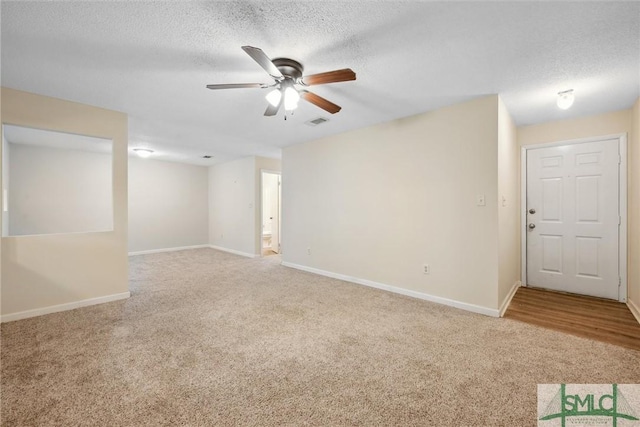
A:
(589, 317)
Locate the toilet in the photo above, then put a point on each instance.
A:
(266, 240)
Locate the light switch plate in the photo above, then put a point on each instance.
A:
(480, 201)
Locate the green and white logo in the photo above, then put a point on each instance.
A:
(588, 405)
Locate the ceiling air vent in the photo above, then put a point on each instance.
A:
(316, 122)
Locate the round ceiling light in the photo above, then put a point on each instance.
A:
(143, 152)
(565, 99)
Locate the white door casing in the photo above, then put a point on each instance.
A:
(270, 207)
(575, 192)
(275, 210)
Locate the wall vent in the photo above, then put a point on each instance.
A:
(316, 122)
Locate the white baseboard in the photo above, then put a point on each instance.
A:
(635, 310)
(63, 307)
(432, 298)
(233, 251)
(179, 248)
(507, 300)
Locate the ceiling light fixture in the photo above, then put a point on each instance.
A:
(565, 99)
(143, 152)
(287, 75)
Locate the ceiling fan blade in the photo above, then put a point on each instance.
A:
(236, 86)
(336, 76)
(319, 101)
(271, 110)
(263, 60)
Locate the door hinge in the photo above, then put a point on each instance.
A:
(619, 220)
(619, 281)
(619, 159)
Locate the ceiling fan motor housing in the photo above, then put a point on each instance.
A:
(289, 68)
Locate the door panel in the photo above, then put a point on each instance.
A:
(572, 234)
(551, 199)
(588, 256)
(551, 253)
(588, 198)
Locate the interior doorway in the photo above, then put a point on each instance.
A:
(270, 212)
(574, 217)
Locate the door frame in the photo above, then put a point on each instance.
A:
(622, 204)
(279, 173)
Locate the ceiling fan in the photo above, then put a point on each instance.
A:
(287, 74)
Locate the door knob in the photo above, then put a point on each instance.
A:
(532, 226)
(532, 211)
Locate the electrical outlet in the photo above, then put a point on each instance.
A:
(309, 251)
(426, 269)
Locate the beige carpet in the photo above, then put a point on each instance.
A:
(210, 338)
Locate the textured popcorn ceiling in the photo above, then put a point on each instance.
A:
(152, 60)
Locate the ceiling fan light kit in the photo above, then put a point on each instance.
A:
(287, 75)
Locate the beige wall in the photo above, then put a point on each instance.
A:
(168, 205)
(54, 190)
(508, 205)
(584, 127)
(634, 209)
(379, 202)
(43, 271)
(616, 122)
(234, 204)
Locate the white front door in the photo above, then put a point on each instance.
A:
(573, 219)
